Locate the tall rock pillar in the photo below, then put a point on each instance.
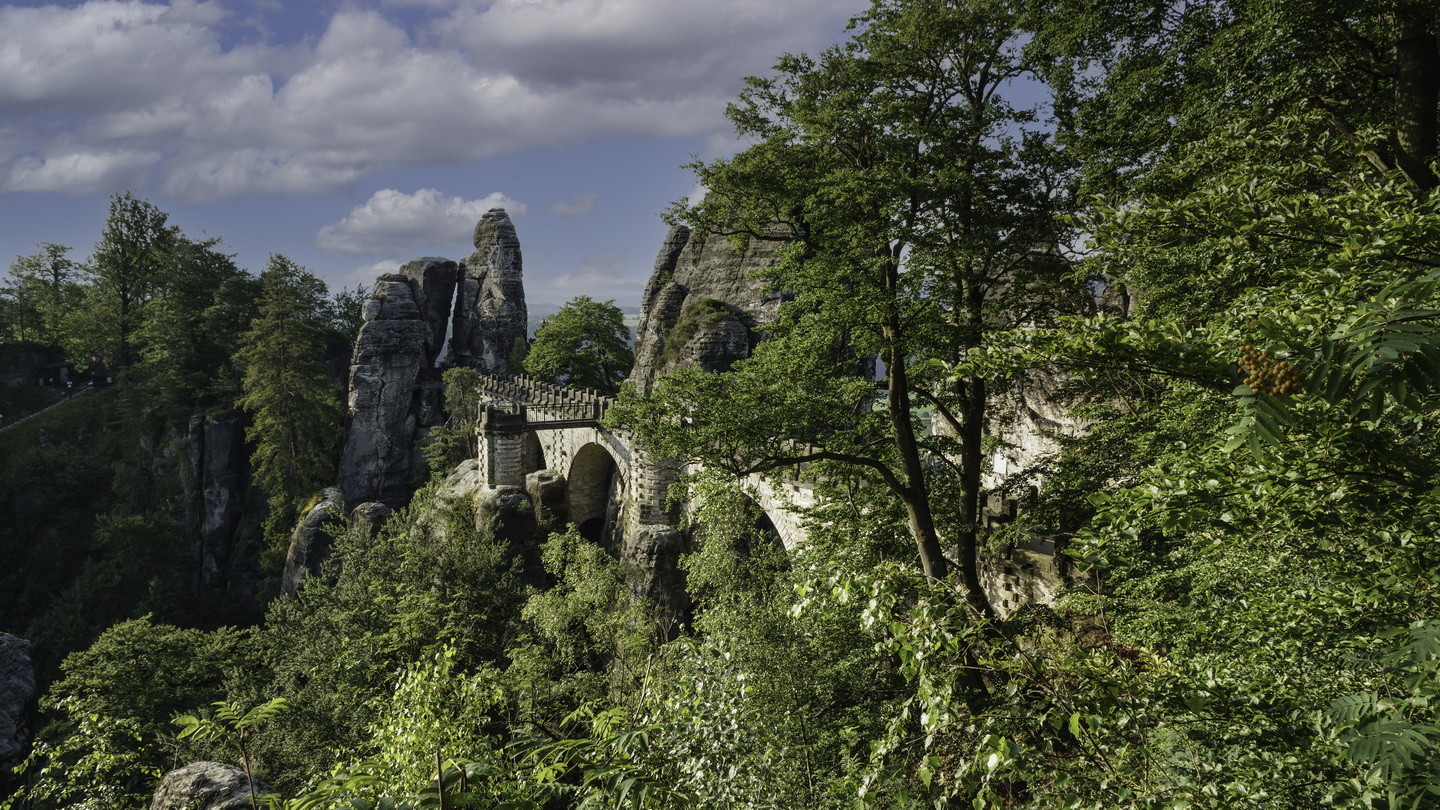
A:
(490, 312)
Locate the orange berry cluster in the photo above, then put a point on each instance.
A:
(1266, 375)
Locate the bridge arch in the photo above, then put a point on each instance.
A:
(532, 453)
(595, 486)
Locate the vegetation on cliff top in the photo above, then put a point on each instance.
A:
(1255, 507)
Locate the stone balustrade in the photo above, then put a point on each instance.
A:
(545, 401)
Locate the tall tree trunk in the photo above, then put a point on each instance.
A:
(1417, 94)
(972, 459)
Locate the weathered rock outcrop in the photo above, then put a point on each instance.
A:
(393, 346)
(206, 786)
(433, 289)
(17, 703)
(224, 508)
(490, 313)
(369, 518)
(701, 305)
(310, 543)
(395, 390)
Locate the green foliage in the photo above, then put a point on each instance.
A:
(435, 745)
(585, 345)
(587, 637)
(42, 296)
(1391, 738)
(344, 310)
(127, 266)
(293, 404)
(456, 440)
(107, 737)
(234, 723)
(429, 579)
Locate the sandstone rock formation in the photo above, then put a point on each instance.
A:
(433, 290)
(390, 351)
(223, 509)
(490, 313)
(395, 389)
(310, 543)
(701, 305)
(17, 702)
(206, 786)
(369, 518)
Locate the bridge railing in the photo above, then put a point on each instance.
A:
(545, 401)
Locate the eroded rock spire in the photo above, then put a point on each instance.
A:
(490, 312)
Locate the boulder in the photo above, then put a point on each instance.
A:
(547, 489)
(310, 543)
(17, 703)
(490, 313)
(369, 518)
(652, 553)
(206, 786)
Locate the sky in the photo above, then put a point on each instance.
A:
(354, 136)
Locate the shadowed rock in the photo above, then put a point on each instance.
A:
(310, 543)
(17, 699)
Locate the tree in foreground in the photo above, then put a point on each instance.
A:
(586, 344)
(294, 406)
(918, 210)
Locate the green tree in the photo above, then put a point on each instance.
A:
(920, 212)
(455, 441)
(1146, 78)
(127, 266)
(43, 294)
(108, 736)
(586, 344)
(293, 404)
(344, 309)
(187, 340)
(385, 603)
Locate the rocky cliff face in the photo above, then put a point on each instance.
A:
(490, 313)
(395, 389)
(392, 348)
(701, 305)
(224, 508)
(17, 703)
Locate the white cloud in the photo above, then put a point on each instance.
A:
(577, 205)
(485, 78)
(80, 172)
(391, 222)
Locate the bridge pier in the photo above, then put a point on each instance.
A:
(502, 447)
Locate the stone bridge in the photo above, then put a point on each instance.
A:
(613, 490)
(615, 493)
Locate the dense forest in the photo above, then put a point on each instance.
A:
(1208, 231)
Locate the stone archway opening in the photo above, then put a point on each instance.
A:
(532, 454)
(594, 490)
(758, 537)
